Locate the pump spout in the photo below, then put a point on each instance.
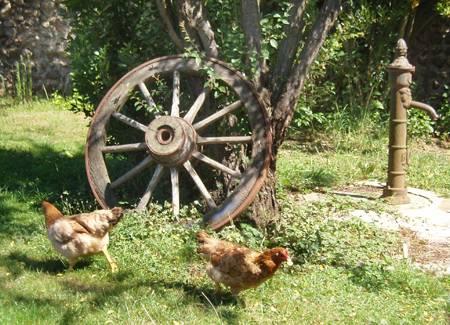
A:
(427, 108)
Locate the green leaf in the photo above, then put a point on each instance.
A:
(273, 43)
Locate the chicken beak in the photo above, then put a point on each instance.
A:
(289, 261)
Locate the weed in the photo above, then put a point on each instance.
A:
(23, 79)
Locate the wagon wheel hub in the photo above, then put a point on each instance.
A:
(170, 140)
(180, 140)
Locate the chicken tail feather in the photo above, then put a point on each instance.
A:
(117, 214)
(202, 237)
(51, 213)
(207, 245)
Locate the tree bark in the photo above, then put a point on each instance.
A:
(285, 106)
(198, 27)
(288, 49)
(265, 207)
(250, 22)
(164, 13)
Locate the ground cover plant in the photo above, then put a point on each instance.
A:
(346, 268)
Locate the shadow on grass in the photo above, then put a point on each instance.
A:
(18, 262)
(103, 291)
(43, 170)
(121, 282)
(12, 220)
(29, 177)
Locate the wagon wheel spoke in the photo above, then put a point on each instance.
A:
(132, 172)
(140, 146)
(146, 94)
(192, 113)
(129, 121)
(197, 180)
(175, 110)
(225, 140)
(217, 115)
(216, 164)
(171, 140)
(151, 187)
(175, 191)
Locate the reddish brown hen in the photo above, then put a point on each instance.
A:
(82, 234)
(237, 267)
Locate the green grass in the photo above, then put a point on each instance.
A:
(343, 271)
(343, 159)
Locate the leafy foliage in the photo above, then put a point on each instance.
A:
(443, 8)
(316, 234)
(443, 126)
(347, 86)
(350, 75)
(109, 39)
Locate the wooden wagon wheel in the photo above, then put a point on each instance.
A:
(176, 137)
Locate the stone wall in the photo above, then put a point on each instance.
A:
(35, 29)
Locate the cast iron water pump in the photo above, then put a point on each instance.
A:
(400, 75)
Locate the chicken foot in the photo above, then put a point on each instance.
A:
(111, 262)
(72, 262)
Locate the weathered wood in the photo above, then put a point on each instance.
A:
(197, 180)
(225, 140)
(216, 164)
(175, 191)
(140, 146)
(238, 198)
(129, 121)
(175, 110)
(217, 115)
(132, 172)
(146, 94)
(192, 113)
(151, 187)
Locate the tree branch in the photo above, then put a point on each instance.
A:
(250, 21)
(284, 109)
(176, 39)
(198, 27)
(288, 48)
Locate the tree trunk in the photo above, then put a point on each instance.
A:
(280, 89)
(265, 207)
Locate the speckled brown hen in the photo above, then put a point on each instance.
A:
(82, 234)
(237, 267)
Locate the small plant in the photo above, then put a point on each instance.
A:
(443, 124)
(23, 83)
(443, 8)
(2, 85)
(315, 234)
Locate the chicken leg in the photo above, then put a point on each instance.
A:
(111, 262)
(72, 262)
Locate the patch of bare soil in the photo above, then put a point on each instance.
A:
(423, 224)
(359, 190)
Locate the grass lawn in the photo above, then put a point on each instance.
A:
(343, 272)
